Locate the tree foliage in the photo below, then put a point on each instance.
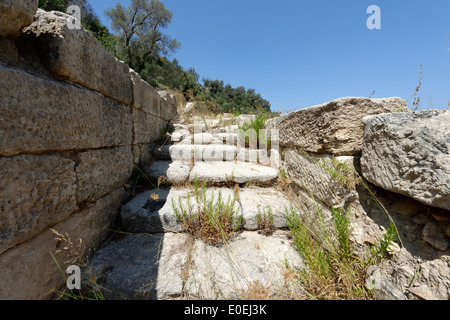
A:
(139, 27)
(139, 41)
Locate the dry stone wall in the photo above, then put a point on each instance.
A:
(74, 121)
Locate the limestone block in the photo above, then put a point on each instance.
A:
(145, 97)
(258, 201)
(334, 127)
(75, 55)
(170, 172)
(168, 111)
(100, 171)
(39, 114)
(327, 179)
(36, 191)
(147, 128)
(15, 15)
(141, 266)
(240, 172)
(29, 271)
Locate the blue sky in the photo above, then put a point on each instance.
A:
(302, 53)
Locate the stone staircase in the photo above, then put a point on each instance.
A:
(155, 258)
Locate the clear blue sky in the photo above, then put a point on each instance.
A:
(302, 53)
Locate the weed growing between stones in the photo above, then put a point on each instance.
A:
(75, 254)
(333, 271)
(265, 221)
(212, 219)
(258, 126)
(322, 236)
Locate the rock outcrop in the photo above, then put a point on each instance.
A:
(409, 153)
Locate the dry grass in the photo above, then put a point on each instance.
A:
(75, 253)
(212, 219)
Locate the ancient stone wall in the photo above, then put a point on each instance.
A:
(74, 122)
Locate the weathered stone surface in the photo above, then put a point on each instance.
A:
(142, 266)
(141, 214)
(46, 115)
(29, 271)
(321, 176)
(75, 55)
(167, 266)
(142, 154)
(186, 199)
(145, 97)
(15, 15)
(202, 152)
(253, 156)
(258, 201)
(249, 261)
(203, 138)
(162, 152)
(36, 191)
(409, 153)
(170, 172)
(334, 127)
(167, 111)
(146, 128)
(435, 235)
(103, 170)
(239, 172)
(179, 133)
(144, 214)
(392, 279)
(170, 98)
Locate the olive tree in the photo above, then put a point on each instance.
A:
(139, 28)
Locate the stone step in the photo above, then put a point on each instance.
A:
(170, 265)
(144, 214)
(153, 211)
(203, 152)
(238, 172)
(162, 152)
(171, 172)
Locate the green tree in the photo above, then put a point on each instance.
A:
(139, 28)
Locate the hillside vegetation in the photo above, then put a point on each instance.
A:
(137, 39)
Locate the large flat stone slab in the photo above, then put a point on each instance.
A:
(334, 127)
(168, 266)
(142, 266)
(409, 153)
(239, 172)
